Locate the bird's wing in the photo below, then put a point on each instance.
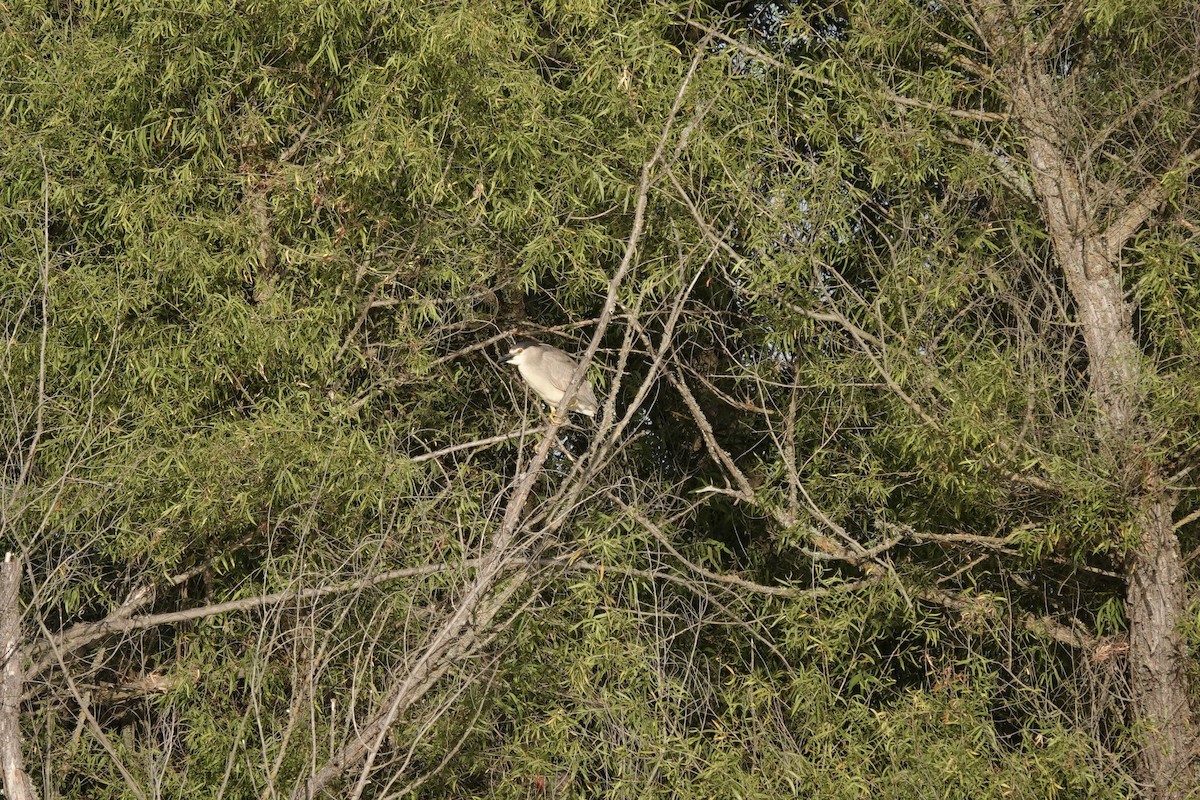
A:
(560, 367)
(586, 395)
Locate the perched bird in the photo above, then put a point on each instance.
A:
(548, 371)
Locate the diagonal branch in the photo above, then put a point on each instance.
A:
(1053, 37)
(1143, 206)
(1143, 102)
(461, 633)
(475, 445)
(79, 636)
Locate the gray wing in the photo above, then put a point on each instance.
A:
(586, 396)
(559, 368)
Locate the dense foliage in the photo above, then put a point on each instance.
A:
(845, 526)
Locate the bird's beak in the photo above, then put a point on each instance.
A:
(508, 358)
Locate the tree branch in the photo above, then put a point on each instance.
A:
(1137, 108)
(1066, 20)
(475, 445)
(290, 153)
(727, 580)
(1143, 206)
(85, 633)
(475, 609)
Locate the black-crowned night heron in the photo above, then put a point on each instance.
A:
(548, 372)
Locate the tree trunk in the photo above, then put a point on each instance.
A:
(17, 785)
(1156, 595)
(1155, 600)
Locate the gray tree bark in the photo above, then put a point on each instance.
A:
(1090, 255)
(1088, 246)
(17, 785)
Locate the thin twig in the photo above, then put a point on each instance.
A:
(475, 445)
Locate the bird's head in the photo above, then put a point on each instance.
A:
(519, 351)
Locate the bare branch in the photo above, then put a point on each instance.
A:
(1053, 37)
(1143, 102)
(477, 444)
(85, 633)
(958, 113)
(984, 607)
(1011, 176)
(729, 580)
(755, 53)
(1188, 520)
(89, 719)
(1141, 207)
(891, 95)
(462, 630)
